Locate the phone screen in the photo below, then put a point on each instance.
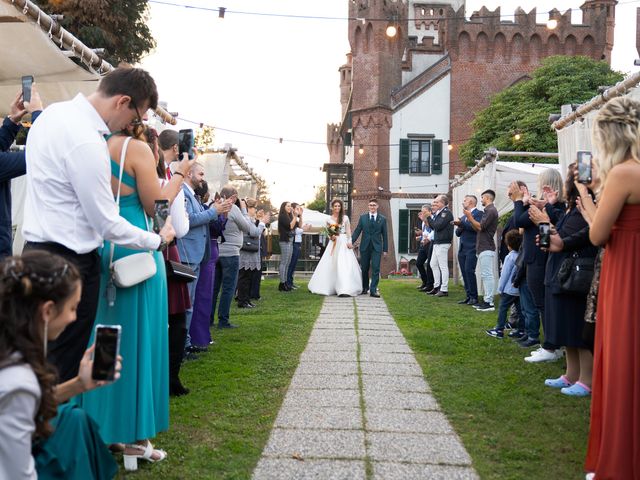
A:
(161, 212)
(186, 142)
(106, 352)
(27, 81)
(584, 167)
(544, 230)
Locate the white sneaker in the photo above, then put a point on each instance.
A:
(590, 476)
(542, 355)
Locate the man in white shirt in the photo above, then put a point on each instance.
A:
(69, 207)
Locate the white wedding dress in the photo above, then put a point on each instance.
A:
(338, 272)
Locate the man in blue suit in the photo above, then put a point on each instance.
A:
(374, 244)
(194, 247)
(467, 258)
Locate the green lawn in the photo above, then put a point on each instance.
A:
(218, 431)
(511, 424)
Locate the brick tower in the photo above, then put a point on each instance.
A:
(377, 65)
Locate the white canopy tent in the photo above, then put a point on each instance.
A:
(496, 176)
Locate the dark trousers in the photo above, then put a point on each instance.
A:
(177, 337)
(225, 283)
(467, 260)
(67, 350)
(244, 285)
(506, 301)
(256, 279)
(294, 260)
(535, 281)
(370, 259)
(422, 263)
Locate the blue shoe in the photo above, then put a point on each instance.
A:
(560, 382)
(578, 389)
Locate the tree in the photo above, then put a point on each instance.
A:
(319, 203)
(119, 26)
(517, 118)
(205, 137)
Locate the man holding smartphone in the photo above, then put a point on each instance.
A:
(69, 206)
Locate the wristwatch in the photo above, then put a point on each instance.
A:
(163, 245)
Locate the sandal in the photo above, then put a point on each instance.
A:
(146, 453)
(560, 382)
(578, 389)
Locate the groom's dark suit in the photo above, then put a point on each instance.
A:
(373, 243)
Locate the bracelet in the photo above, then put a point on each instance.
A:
(178, 173)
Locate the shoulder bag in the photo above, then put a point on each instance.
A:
(575, 274)
(132, 269)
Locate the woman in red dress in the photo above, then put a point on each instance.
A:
(614, 437)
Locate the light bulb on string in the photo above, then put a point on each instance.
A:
(391, 30)
(361, 149)
(375, 172)
(221, 11)
(517, 137)
(552, 24)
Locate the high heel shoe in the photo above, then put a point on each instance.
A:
(145, 452)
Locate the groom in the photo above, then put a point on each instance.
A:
(373, 227)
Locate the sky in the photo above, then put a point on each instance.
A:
(278, 77)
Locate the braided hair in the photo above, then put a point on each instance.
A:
(26, 283)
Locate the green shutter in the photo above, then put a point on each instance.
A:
(436, 157)
(403, 231)
(404, 155)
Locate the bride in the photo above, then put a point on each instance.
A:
(338, 271)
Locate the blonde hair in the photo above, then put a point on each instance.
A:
(551, 177)
(251, 202)
(616, 134)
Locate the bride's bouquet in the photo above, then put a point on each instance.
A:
(332, 231)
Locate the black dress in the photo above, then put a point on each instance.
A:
(564, 312)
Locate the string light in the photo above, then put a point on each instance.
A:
(517, 137)
(361, 149)
(221, 11)
(375, 172)
(391, 30)
(552, 24)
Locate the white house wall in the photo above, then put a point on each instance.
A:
(419, 63)
(427, 114)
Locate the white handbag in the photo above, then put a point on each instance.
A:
(132, 269)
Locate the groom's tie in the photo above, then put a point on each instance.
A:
(371, 218)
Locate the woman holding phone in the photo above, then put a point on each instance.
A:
(39, 294)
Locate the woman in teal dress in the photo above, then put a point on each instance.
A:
(136, 408)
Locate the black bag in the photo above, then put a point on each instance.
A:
(179, 272)
(520, 270)
(250, 244)
(575, 274)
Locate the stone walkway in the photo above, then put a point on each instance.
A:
(358, 406)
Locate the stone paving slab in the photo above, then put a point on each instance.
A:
(417, 448)
(378, 368)
(316, 444)
(330, 347)
(378, 326)
(379, 340)
(399, 400)
(408, 471)
(327, 368)
(380, 333)
(286, 469)
(368, 348)
(384, 357)
(298, 398)
(330, 356)
(320, 418)
(394, 384)
(329, 382)
(410, 421)
(332, 336)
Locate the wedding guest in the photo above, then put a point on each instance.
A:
(442, 225)
(250, 263)
(424, 250)
(256, 278)
(136, 408)
(467, 257)
(13, 164)
(564, 312)
(228, 265)
(69, 206)
(299, 229)
(486, 247)
(615, 405)
(42, 436)
(286, 231)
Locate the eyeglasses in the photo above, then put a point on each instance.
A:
(373, 205)
(136, 123)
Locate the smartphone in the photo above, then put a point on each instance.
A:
(584, 167)
(160, 214)
(27, 82)
(186, 142)
(107, 349)
(544, 230)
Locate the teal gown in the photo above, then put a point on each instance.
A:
(135, 407)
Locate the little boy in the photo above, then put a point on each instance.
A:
(509, 295)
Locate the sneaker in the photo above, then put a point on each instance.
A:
(487, 307)
(495, 333)
(543, 355)
(517, 334)
(441, 294)
(433, 291)
(527, 342)
(480, 304)
(464, 302)
(508, 326)
(473, 302)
